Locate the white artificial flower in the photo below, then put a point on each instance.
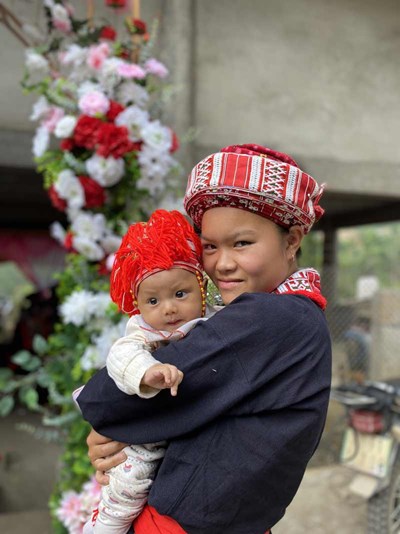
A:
(155, 163)
(108, 75)
(170, 203)
(41, 141)
(88, 248)
(106, 171)
(130, 92)
(40, 109)
(36, 63)
(111, 243)
(91, 359)
(74, 55)
(110, 262)
(77, 308)
(108, 336)
(49, 3)
(92, 226)
(135, 119)
(157, 136)
(69, 188)
(57, 232)
(87, 87)
(101, 301)
(65, 126)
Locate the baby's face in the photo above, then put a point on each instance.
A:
(168, 299)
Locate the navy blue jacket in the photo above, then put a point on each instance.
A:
(247, 419)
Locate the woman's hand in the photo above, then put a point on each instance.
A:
(104, 453)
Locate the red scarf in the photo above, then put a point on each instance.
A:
(305, 282)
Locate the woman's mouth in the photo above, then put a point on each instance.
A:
(229, 284)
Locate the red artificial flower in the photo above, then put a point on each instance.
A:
(108, 32)
(113, 141)
(140, 26)
(175, 142)
(85, 133)
(116, 3)
(67, 144)
(94, 193)
(114, 110)
(68, 241)
(57, 202)
(102, 268)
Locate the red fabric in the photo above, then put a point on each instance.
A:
(36, 254)
(151, 522)
(256, 179)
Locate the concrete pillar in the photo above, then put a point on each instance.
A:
(177, 50)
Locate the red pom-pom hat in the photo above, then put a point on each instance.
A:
(166, 241)
(256, 179)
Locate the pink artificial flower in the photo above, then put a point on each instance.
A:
(70, 509)
(94, 103)
(97, 55)
(52, 117)
(92, 488)
(131, 70)
(153, 66)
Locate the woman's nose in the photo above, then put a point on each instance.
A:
(225, 262)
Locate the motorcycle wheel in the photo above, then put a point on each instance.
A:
(384, 507)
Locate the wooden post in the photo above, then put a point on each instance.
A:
(136, 39)
(90, 13)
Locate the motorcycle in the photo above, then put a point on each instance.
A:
(371, 447)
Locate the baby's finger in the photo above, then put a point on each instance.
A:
(174, 387)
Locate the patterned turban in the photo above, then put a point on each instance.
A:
(166, 241)
(256, 179)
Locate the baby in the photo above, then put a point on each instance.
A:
(157, 278)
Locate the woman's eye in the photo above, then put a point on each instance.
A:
(153, 301)
(242, 243)
(180, 294)
(208, 246)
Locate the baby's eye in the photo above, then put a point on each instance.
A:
(242, 243)
(180, 294)
(153, 301)
(208, 246)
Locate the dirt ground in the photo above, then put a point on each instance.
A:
(28, 469)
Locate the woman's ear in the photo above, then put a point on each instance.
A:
(294, 239)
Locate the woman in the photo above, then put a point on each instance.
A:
(253, 402)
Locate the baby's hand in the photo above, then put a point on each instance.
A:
(163, 376)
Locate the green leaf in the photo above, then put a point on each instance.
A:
(39, 345)
(21, 358)
(33, 364)
(6, 405)
(29, 397)
(5, 377)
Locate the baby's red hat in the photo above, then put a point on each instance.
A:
(166, 241)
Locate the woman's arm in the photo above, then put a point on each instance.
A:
(258, 341)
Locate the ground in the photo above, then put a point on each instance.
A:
(28, 469)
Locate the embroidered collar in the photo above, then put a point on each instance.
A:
(306, 282)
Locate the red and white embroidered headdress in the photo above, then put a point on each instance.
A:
(166, 241)
(256, 179)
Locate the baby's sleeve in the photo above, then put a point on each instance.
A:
(128, 360)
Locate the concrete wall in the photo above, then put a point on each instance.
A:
(316, 78)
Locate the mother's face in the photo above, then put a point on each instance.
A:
(244, 252)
